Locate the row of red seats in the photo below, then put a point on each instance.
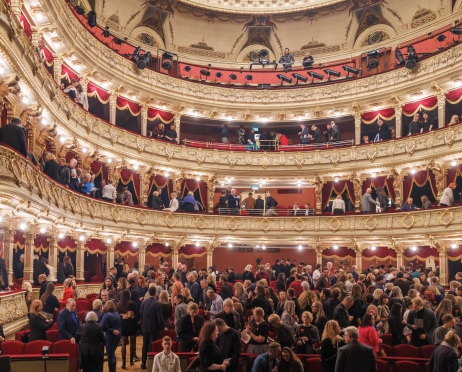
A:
(18, 348)
(405, 350)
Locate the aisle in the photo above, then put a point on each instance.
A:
(137, 366)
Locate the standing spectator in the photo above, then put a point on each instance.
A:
(414, 125)
(171, 135)
(127, 310)
(395, 325)
(271, 205)
(231, 275)
(285, 334)
(111, 324)
(68, 291)
(422, 322)
(127, 196)
(259, 300)
(109, 192)
(231, 317)
(441, 332)
(233, 202)
(14, 136)
(338, 205)
(64, 172)
(368, 204)
(49, 301)
(229, 343)
(166, 361)
(444, 357)
(166, 308)
(262, 274)
(447, 198)
(39, 50)
(189, 328)
(307, 335)
(51, 167)
(341, 312)
(268, 361)
(258, 330)
(241, 136)
(91, 340)
(151, 322)
(181, 309)
(42, 279)
(68, 322)
(194, 288)
(37, 322)
(39, 268)
(216, 304)
(226, 291)
(82, 98)
(210, 355)
(367, 333)
(331, 342)
(177, 285)
(349, 355)
(156, 201)
(224, 133)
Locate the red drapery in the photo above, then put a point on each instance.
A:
(341, 254)
(126, 248)
(453, 173)
(380, 182)
(98, 168)
(455, 254)
(379, 254)
(193, 185)
(67, 73)
(371, 117)
(428, 104)
(67, 244)
(19, 239)
(189, 251)
(454, 96)
(128, 177)
(26, 25)
(125, 104)
(158, 250)
(48, 57)
(95, 246)
(41, 243)
(419, 179)
(95, 91)
(421, 255)
(339, 187)
(164, 116)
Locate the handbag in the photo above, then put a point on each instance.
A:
(25, 335)
(381, 351)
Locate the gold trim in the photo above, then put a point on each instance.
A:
(142, 218)
(334, 224)
(408, 216)
(200, 222)
(115, 214)
(443, 215)
(170, 220)
(232, 223)
(368, 219)
(297, 222)
(265, 221)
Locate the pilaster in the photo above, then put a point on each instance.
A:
(110, 257)
(29, 246)
(210, 194)
(142, 256)
(8, 247)
(399, 121)
(57, 62)
(80, 261)
(443, 261)
(175, 251)
(210, 256)
(319, 184)
(441, 110)
(53, 250)
(177, 120)
(144, 119)
(112, 108)
(399, 256)
(357, 127)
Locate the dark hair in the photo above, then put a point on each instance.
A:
(152, 291)
(326, 292)
(179, 296)
(381, 298)
(293, 358)
(124, 302)
(207, 331)
(396, 311)
(367, 320)
(335, 293)
(369, 299)
(48, 291)
(281, 277)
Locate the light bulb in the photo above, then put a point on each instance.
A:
(42, 230)
(336, 179)
(23, 226)
(372, 248)
(413, 249)
(263, 247)
(135, 166)
(109, 160)
(453, 163)
(62, 139)
(230, 245)
(257, 246)
(44, 121)
(412, 171)
(335, 246)
(198, 244)
(198, 179)
(300, 247)
(166, 244)
(84, 150)
(454, 246)
(135, 244)
(81, 238)
(166, 174)
(25, 100)
(2, 70)
(374, 175)
(108, 241)
(60, 235)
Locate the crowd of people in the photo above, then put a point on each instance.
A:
(277, 311)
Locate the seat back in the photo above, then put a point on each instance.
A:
(426, 351)
(409, 351)
(170, 333)
(386, 339)
(35, 347)
(388, 350)
(382, 365)
(12, 347)
(156, 346)
(66, 347)
(405, 366)
(81, 305)
(52, 335)
(314, 364)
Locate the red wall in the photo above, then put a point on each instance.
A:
(287, 200)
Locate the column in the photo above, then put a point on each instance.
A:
(8, 247)
(441, 110)
(210, 194)
(110, 257)
(84, 83)
(142, 256)
(357, 127)
(144, 119)
(175, 250)
(112, 108)
(319, 255)
(399, 121)
(399, 256)
(359, 259)
(444, 271)
(35, 37)
(80, 261)
(29, 256)
(176, 120)
(209, 257)
(57, 62)
(53, 251)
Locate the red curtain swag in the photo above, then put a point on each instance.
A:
(339, 187)
(95, 91)
(427, 104)
(372, 117)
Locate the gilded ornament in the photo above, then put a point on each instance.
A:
(115, 214)
(298, 225)
(371, 223)
(265, 224)
(408, 221)
(449, 137)
(200, 222)
(334, 224)
(142, 218)
(232, 224)
(170, 220)
(446, 217)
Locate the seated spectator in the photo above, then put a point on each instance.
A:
(70, 90)
(268, 361)
(454, 120)
(158, 131)
(285, 334)
(109, 192)
(365, 139)
(289, 361)
(444, 357)
(189, 202)
(308, 60)
(409, 205)
(308, 211)
(174, 204)
(426, 204)
(38, 324)
(156, 201)
(171, 135)
(88, 186)
(127, 196)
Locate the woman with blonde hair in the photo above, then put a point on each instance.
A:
(319, 318)
(212, 283)
(377, 293)
(187, 295)
(444, 357)
(306, 334)
(239, 293)
(26, 286)
(454, 120)
(166, 308)
(445, 307)
(426, 203)
(282, 301)
(248, 274)
(412, 293)
(350, 281)
(331, 341)
(306, 299)
(447, 198)
(189, 329)
(68, 291)
(141, 285)
(37, 322)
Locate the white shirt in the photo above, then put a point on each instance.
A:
(51, 276)
(338, 204)
(216, 306)
(447, 197)
(109, 192)
(82, 99)
(316, 275)
(166, 363)
(174, 205)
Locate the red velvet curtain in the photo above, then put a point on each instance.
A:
(419, 179)
(4, 117)
(95, 246)
(48, 57)
(67, 73)
(25, 23)
(380, 254)
(428, 104)
(193, 185)
(340, 252)
(379, 182)
(19, 239)
(371, 117)
(454, 96)
(99, 169)
(164, 116)
(189, 251)
(126, 248)
(455, 254)
(453, 173)
(158, 250)
(41, 244)
(95, 91)
(132, 180)
(420, 255)
(67, 244)
(125, 104)
(339, 187)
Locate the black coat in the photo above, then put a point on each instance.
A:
(39, 268)
(238, 326)
(443, 359)
(52, 170)
(4, 273)
(384, 132)
(209, 354)
(233, 202)
(414, 127)
(317, 136)
(259, 203)
(349, 355)
(335, 133)
(61, 273)
(91, 339)
(38, 327)
(151, 316)
(67, 327)
(186, 331)
(230, 345)
(157, 203)
(14, 136)
(226, 291)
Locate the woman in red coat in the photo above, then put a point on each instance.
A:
(368, 334)
(282, 140)
(68, 291)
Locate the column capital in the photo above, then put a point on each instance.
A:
(113, 98)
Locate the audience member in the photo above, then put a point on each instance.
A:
(68, 322)
(91, 340)
(14, 136)
(268, 361)
(349, 355)
(38, 324)
(229, 343)
(166, 361)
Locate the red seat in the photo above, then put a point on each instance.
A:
(156, 346)
(251, 360)
(382, 365)
(386, 339)
(426, 351)
(313, 364)
(404, 366)
(53, 335)
(66, 347)
(170, 333)
(19, 334)
(388, 350)
(409, 351)
(83, 305)
(12, 347)
(35, 347)
(54, 326)
(96, 279)
(81, 315)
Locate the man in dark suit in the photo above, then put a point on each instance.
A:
(156, 201)
(355, 357)
(317, 134)
(39, 268)
(68, 322)
(19, 268)
(334, 132)
(259, 204)
(14, 135)
(151, 322)
(384, 133)
(43, 284)
(233, 202)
